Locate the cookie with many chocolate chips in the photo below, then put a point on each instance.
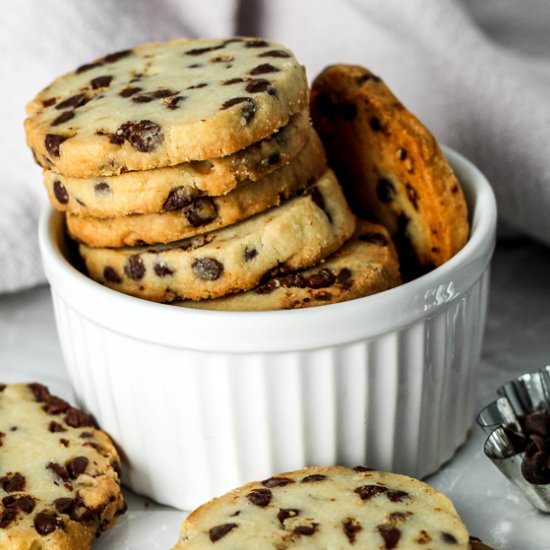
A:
(161, 104)
(204, 213)
(365, 265)
(59, 474)
(295, 235)
(390, 166)
(331, 508)
(152, 191)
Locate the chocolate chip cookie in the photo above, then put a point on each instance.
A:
(295, 235)
(188, 217)
(162, 104)
(329, 508)
(390, 165)
(59, 475)
(152, 191)
(365, 265)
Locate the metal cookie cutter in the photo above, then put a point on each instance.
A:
(522, 455)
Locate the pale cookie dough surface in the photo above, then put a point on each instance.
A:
(162, 104)
(59, 476)
(365, 265)
(332, 508)
(390, 166)
(152, 191)
(296, 235)
(204, 213)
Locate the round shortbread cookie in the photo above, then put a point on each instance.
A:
(204, 214)
(162, 104)
(295, 235)
(59, 476)
(150, 191)
(331, 508)
(390, 166)
(365, 265)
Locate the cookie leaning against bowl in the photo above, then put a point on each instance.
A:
(150, 191)
(59, 476)
(205, 213)
(365, 265)
(161, 104)
(390, 166)
(295, 235)
(328, 508)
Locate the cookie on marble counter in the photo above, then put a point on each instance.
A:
(330, 508)
(161, 189)
(188, 218)
(59, 475)
(365, 265)
(295, 235)
(161, 104)
(390, 166)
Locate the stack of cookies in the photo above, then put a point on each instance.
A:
(189, 171)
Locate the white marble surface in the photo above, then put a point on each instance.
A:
(517, 340)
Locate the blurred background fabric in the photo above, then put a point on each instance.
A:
(477, 72)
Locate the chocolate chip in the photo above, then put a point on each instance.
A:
(2, 387)
(163, 92)
(64, 442)
(25, 503)
(112, 57)
(13, 483)
(7, 517)
(111, 276)
(351, 527)
(102, 188)
(258, 85)
(200, 51)
(196, 65)
(65, 506)
(60, 192)
(256, 44)
(391, 535)
(134, 267)
(218, 532)
(144, 136)
(264, 68)
(47, 522)
(248, 110)
(162, 270)
(174, 103)
(63, 117)
(275, 53)
(313, 478)
(227, 58)
(412, 194)
(323, 296)
(2, 438)
(178, 198)
(87, 67)
(101, 81)
(130, 91)
(375, 124)
(250, 253)
(385, 190)
(49, 102)
(343, 278)
(375, 238)
(54, 427)
(58, 470)
(447, 538)
(198, 86)
(73, 102)
(78, 419)
(143, 98)
(77, 466)
(366, 492)
(402, 153)
(260, 497)
(207, 269)
(322, 279)
(55, 405)
(274, 158)
(286, 513)
(233, 81)
(277, 482)
(40, 392)
(305, 530)
(317, 197)
(397, 496)
(201, 211)
(52, 143)
(454, 189)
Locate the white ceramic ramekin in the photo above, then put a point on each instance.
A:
(202, 401)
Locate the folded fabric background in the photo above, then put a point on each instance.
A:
(478, 73)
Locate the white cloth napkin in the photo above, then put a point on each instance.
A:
(477, 72)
